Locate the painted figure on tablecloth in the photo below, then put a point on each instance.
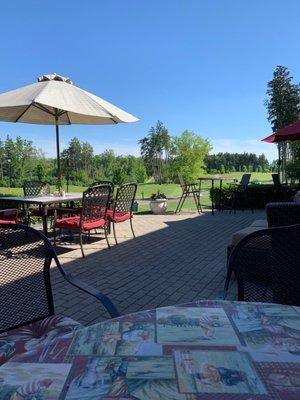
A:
(30, 389)
(195, 325)
(135, 333)
(91, 377)
(217, 376)
(119, 386)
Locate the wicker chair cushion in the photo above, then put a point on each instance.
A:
(119, 216)
(30, 337)
(74, 223)
(260, 222)
(237, 236)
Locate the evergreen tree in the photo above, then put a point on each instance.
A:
(283, 105)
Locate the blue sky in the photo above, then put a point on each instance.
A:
(194, 64)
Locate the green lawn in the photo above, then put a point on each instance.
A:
(170, 190)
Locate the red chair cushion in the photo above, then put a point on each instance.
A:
(119, 216)
(7, 221)
(74, 223)
(30, 338)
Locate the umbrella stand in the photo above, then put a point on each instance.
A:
(58, 153)
(56, 114)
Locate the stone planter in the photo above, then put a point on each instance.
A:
(158, 206)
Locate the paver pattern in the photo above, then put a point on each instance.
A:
(174, 259)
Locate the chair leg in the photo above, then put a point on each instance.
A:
(106, 237)
(54, 235)
(199, 203)
(196, 202)
(228, 278)
(114, 229)
(132, 228)
(177, 208)
(183, 198)
(81, 245)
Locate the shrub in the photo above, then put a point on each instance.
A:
(255, 196)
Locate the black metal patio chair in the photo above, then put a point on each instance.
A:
(188, 189)
(36, 188)
(240, 193)
(276, 181)
(93, 214)
(26, 294)
(111, 184)
(122, 207)
(266, 265)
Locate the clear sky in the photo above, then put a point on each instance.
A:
(194, 64)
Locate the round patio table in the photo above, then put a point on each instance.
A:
(209, 350)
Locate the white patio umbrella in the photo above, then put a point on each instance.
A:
(54, 100)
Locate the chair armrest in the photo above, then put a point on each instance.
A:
(111, 309)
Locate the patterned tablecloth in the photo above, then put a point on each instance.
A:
(208, 350)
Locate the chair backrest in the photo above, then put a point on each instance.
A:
(125, 198)
(25, 258)
(181, 181)
(286, 264)
(95, 203)
(245, 180)
(104, 183)
(283, 214)
(276, 181)
(35, 188)
(266, 264)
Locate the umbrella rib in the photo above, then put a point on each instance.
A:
(42, 108)
(22, 113)
(68, 118)
(104, 109)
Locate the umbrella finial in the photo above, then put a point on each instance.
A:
(54, 77)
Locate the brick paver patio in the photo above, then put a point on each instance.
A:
(174, 259)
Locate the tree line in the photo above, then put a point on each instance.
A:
(20, 160)
(162, 158)
(231, 162)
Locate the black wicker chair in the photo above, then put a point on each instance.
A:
(187, 189)
(283, 214)
(93, 214)
(266, 265)
(26, 295)
(278, 214)
(122, 207)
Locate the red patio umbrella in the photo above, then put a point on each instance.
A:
(289, 132)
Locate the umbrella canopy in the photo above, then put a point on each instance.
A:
(290, 132)
(54, 100)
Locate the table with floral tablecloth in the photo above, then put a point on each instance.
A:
(206, 350)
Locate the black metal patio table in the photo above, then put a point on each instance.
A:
(213, 179)
(44, 201)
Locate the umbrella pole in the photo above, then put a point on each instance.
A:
(58, 154)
